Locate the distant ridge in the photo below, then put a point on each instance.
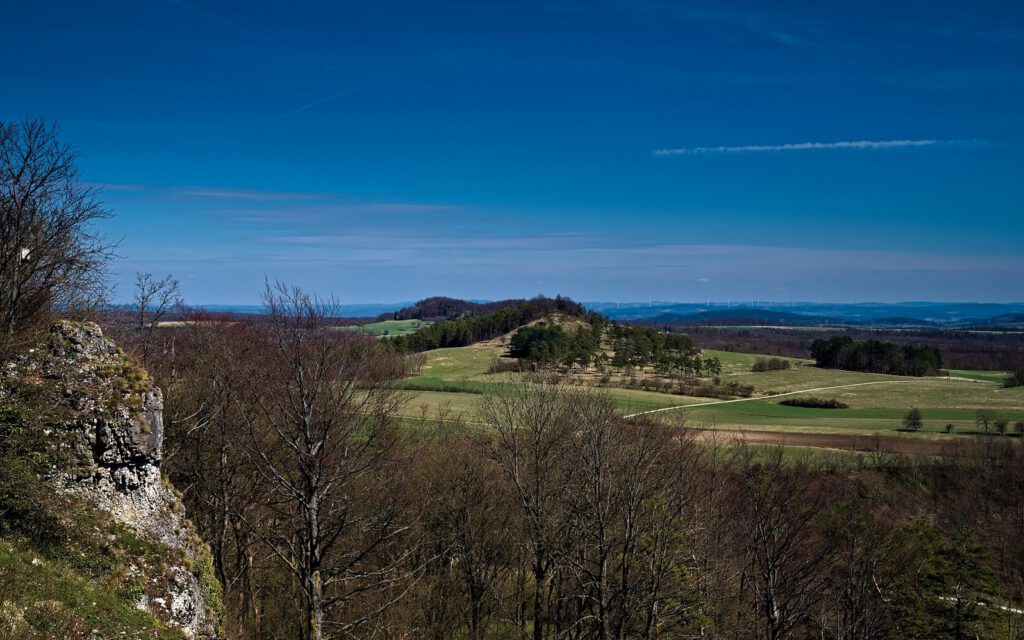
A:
(918, 314)
(738, 317)
(350, 310)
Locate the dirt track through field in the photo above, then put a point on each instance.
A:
(777, 395)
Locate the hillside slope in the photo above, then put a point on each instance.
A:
(93, 543)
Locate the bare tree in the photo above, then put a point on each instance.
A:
(152, 300)
(472, 520)
(51, 257)
(320, 435)
(201, 458)
(867, 564)
(626, 490)
(777, 509)
(532, 423)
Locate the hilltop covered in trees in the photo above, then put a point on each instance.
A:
(874, 356)
(486, 325)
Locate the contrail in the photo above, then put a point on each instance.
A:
(328, 98)
(249, 32)
(211, 16)
(807, 146)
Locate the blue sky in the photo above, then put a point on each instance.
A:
(608, 150)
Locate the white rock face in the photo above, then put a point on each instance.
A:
(114, 443)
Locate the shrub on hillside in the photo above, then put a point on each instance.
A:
(912, 421)
(771, 364)
(814, 403)
(504, 365)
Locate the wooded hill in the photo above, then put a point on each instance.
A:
(483, 322)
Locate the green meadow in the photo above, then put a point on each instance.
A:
(390, 327)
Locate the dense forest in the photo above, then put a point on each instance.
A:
(874, 356)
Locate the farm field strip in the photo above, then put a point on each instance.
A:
(838, 442)
(779, 395)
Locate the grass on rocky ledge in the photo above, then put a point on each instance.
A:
(67, 570)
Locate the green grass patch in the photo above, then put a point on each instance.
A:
(390, 327)
(460, 363)
(983, 376)
(40, 598)
(446, 386)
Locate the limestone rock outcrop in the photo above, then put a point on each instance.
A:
(107, 426)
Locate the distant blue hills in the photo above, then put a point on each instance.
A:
(939, 314)
(367, 310)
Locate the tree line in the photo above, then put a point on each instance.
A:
(874, 356)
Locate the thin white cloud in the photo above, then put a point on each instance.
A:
(806, 146)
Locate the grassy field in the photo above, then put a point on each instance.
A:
(390, 327)
(983, 376)
(455, 378)
(460, 363)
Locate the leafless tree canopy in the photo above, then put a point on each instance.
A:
(152, 300)
(51, 257)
